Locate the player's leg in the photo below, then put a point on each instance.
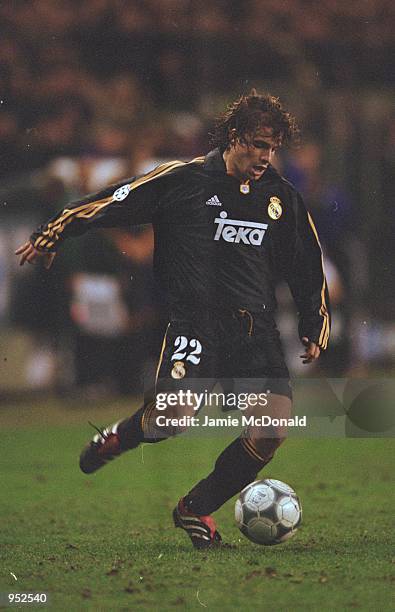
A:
(113, 440)
(157, 420)
(149, 424)
(241, 461)
(258, 348)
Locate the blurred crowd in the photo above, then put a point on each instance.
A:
(78, 77)
(97, 90)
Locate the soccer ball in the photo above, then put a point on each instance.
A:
(268, 512)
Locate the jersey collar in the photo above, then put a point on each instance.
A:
(214, 162)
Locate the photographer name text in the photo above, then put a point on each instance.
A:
(229, 421)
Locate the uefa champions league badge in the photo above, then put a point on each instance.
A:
(275, 209)
(121, 193)
(245, 188)
(178, 370)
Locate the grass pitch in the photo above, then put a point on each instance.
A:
(106, 541)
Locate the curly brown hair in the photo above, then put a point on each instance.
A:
(250, 112)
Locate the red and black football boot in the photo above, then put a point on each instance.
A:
(201, 529)
(104, 447)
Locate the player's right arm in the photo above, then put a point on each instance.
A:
(31, 255)
(130, 202)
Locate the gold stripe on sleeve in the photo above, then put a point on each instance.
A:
(324, 335)
(55, 227)
(89, 210)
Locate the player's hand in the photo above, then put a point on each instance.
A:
(32, 255)
(312, 351)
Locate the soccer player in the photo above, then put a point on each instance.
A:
(227, 227)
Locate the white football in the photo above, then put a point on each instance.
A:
(268, 512)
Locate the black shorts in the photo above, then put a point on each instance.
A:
(237, 347)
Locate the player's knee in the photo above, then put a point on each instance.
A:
(270, 422)
(266, 447)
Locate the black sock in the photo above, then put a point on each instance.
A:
(234, 469)
(130, 430)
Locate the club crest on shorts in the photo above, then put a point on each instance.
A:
(275, 210)
(178, 370)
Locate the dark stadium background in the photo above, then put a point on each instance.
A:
(102, 89)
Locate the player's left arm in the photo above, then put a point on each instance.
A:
(312, 351)
(306, 279)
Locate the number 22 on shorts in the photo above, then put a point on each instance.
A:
(187, 349)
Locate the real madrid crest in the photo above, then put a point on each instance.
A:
(178, 370)
(275, 210)
(245, 188)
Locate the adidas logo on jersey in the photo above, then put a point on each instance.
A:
(214, 201)
(232, 230)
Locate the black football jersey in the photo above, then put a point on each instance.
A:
(219, 243)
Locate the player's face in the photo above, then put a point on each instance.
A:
(251, 155)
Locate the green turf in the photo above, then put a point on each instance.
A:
(106, 542)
